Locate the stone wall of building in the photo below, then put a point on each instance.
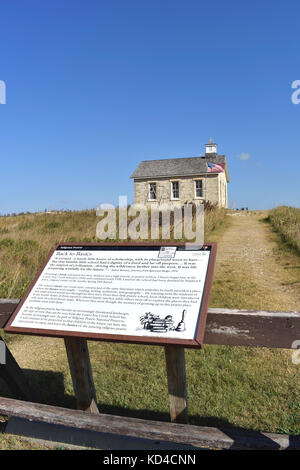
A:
(223, 196)
(214, 189)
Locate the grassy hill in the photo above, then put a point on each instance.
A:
(254, 388)
(286, 221)
(25, 241)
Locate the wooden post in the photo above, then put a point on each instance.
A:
(177, 388)
(81, 372)
(13, 375)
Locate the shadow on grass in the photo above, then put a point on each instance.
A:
(50, 388)
(47, 385)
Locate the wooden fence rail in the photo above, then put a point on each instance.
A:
(223, 327)
(157, 431)
(230, 326)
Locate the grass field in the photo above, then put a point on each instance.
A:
(252, 388)
(25, 241)
(286, 221)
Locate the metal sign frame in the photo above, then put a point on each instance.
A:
(196, 342)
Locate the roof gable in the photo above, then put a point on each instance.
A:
(172, 167)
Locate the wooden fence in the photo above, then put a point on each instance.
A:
(230, 327)
(224, 327)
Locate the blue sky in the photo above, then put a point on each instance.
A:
(94, 87)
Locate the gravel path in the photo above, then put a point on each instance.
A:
(250, 247)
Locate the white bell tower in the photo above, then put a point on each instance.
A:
(211, 148)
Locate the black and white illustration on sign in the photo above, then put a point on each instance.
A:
(120, 292)
(161, 325)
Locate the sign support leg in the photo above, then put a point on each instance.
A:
(81, 372)
(177, 387)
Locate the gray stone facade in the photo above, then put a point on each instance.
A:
(214, 189)
(177, 181)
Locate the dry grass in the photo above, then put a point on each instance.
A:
(25, 241)
(254, 269)
(252, 388)
(286, 221)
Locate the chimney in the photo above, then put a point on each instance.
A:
(211, 148)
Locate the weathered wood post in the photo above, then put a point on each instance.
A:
(177, 387)
(81, 372)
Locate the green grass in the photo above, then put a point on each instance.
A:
(223, 385)
(252, 388)
(249, 388)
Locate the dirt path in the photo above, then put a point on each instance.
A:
(249, 249)
(250, 273)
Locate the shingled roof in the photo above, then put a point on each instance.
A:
(174, 167)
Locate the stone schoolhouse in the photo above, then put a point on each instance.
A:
(176, 181)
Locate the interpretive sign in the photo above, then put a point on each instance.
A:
(139, 293)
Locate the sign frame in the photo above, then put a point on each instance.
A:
(144, 340)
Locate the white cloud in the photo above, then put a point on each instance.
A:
(244, 156)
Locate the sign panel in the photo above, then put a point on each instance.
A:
(141, 293)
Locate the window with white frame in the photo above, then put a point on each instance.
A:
(152, 191)
(175, 189)
(198, 188)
